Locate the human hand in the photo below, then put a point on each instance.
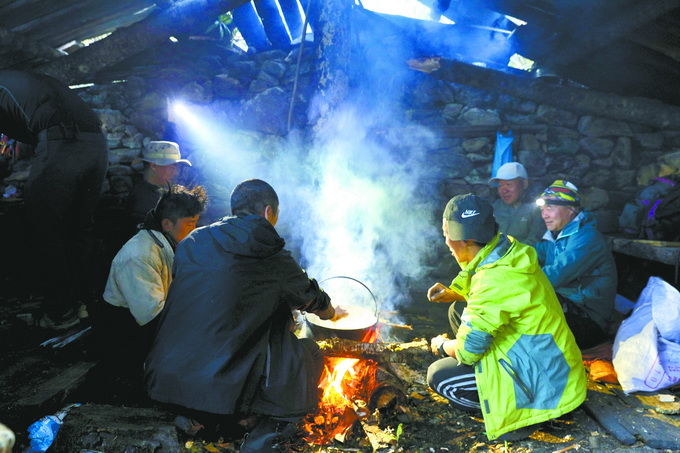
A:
(440, 293)
(340, 313)
(436, 342)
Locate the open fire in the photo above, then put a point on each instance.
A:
(347, 385)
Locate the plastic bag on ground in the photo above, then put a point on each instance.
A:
(43, 432)
(647, 344)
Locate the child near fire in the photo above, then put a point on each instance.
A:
(513, 357)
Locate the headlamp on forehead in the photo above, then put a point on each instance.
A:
(540, 202)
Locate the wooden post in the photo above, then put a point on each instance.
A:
(332, 31)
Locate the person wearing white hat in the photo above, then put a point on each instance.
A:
(161, 160)
(515, 215)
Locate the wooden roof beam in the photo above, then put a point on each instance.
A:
(580, 100)
(185, 16)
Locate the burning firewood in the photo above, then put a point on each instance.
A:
(382, 352)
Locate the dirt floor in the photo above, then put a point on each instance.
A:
(36, 381)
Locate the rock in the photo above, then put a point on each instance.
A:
(506, 102)
(594, 198)
(113, 139)
(623, 152)
(274, 68)
(119, 170)
(243, 70)
(119, 155)
(276, 54)
(597, 147)
(480, 117)
(111, 119)
(594, 126)
(652, 140)
(606, 162)
(473, 145)
(476, 157)
(551, 115)
(106, 187)
(518, 118)
(456, 165)
(646, 173)
(267, 112)
(563, 144)
(595, 177)
(450, 112)
(529, 142)
(196, 93)
(533, 161)
(624, 178)
(582, 162)
(475, 97)
(672, 159)
(671, 139)
(133, 142)
(227, 87)
(151, 102)
(259, 85)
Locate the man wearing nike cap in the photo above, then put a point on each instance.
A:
(578, 262)
(515, 214)
(513, 358)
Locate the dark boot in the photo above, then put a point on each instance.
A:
(268, 435)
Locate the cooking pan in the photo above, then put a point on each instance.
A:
(360, 321)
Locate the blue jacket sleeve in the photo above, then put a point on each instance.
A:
(583, 251)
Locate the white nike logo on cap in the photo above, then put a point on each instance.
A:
(469, 213)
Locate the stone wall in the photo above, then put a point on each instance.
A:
(609, 160)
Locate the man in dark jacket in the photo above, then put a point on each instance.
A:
(224, 344)
(63, 187)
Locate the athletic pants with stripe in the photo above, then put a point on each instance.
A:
(451, 379)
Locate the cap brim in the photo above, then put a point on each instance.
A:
(163, 162)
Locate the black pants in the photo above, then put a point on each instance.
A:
(586, 331)
(455, 382)
(63, 189)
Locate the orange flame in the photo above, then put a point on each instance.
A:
(347, 385)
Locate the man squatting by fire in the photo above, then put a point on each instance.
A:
(223, 347)
(514, 358)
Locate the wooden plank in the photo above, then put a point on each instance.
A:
(625, 417)
(58, 386)
(604, 409)
(660, 251)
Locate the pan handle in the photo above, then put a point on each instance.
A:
(375, 299)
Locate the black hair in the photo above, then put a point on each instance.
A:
(179, 202)
(252, 196)
(483, 244)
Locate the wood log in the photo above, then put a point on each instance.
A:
(186, 16)
(381, 352)
(112, 428)
(331, 22)
(579, 100)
